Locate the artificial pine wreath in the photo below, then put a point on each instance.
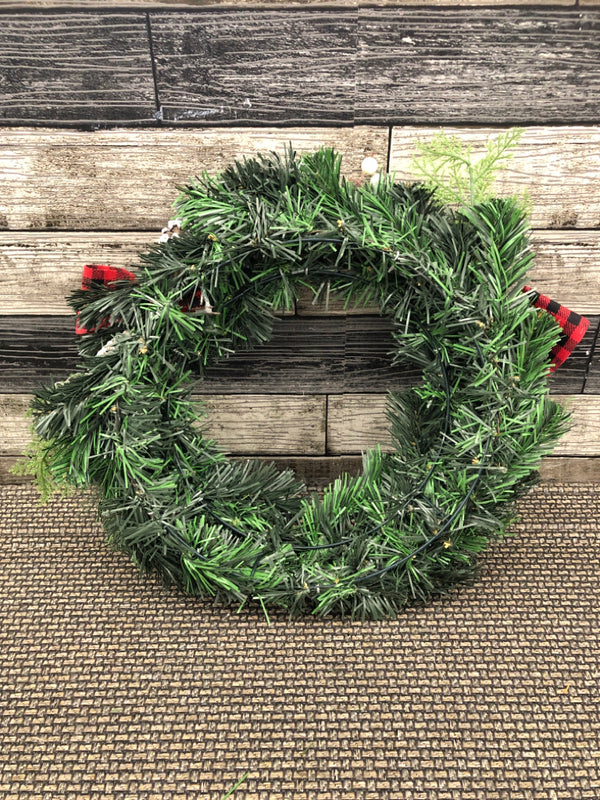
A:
(466, 440)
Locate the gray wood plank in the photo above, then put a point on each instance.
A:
(358, 422)
(317, 355)
(592, 381)
(292, 66)
(76, 66)
(20, 5)
(484, 65)
(38, 270)
(305, 355)
(241, 424)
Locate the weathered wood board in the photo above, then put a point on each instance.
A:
(489, 66)
(38, 270)
(356, 422)
(41, 5)
(567, 267)
(316, 355)
(76, 66)
(313, 64)
(242, 424)
(127, 179)
(557, 168)
(592, 384)
(295, 425)
(295, 66)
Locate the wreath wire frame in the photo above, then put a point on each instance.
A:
(467, 440)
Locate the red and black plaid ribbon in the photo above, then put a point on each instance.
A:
(573, 325)
(102, 275)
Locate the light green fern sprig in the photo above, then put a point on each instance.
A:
(35, 462)
(446, 165)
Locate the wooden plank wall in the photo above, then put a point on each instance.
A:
(107, 107)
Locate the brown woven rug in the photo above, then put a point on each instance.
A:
(111, 687)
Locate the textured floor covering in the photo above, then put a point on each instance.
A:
(111, 687)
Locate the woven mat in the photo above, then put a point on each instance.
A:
(111, 687)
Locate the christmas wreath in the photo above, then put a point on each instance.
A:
(466, 440)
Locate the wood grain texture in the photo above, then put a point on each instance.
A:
(470, 3)
(567, 267)
(183, 5)
(38, 270)
(293, 66)
(127, 179)
(592, 383)
(305, 355)
(242, 425)
(558, 168)
(76, 66)
(557, 469)
(302, 64)
(14, 426)
(357, 422)
(288, 425)
(315, 355)
(489, 66)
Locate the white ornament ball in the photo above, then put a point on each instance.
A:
(369, 165)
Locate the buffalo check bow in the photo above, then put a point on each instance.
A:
(107, 276)
(573, 325)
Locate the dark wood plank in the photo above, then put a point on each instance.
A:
(317, 355)
(76, 66)
(592, 381)
(293, 66)
(316, 471)
(484, 65)
(319, 471)
(305, 355)
(570, 377)
(20, 5)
